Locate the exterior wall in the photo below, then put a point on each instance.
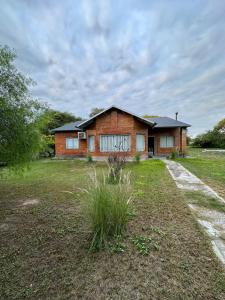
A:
(116, 122)
(60, 145)
(179, 135)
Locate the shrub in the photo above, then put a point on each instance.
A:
(174, 154)
(89, 158)
(137, 157)
(108, 209)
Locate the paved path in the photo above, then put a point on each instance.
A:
(212, 221)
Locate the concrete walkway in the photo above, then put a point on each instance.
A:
(212, 221)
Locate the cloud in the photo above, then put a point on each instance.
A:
(149, 56)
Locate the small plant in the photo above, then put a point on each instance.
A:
(109, 207)
(137, 157)
(174, 154)
(89, 158)
(144, 244)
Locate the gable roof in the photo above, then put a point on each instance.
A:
(68, 127)
(156, 122)
(87, 122)
(166, 122)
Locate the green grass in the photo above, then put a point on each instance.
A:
(202, 200)
(45, 247)
(210, 167)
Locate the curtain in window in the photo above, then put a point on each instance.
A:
(114, 143)
(91, 143)
(167, 141)
(140, 142)
(72, 143)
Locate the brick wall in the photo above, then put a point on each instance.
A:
(116, 122)
(60, 145)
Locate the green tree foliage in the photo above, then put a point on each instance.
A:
(220, 126)
(20, 139)
(95, 111)
(52, 119)
(49, 120)
(149, 116)
(213, 138)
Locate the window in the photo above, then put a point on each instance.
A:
(166, 141)
(91, 143)
(114, 143)
(140, 142)
(72, 143)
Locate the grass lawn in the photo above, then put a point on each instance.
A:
(209, 166)
(44, 245)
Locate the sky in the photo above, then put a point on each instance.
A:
(148, 57)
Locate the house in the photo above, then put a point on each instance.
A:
(117, 130)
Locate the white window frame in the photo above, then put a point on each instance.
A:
(142, 147)
(74, 143)
(166, 143)
(91, 149)
(111, 140)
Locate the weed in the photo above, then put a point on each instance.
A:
(144, 244)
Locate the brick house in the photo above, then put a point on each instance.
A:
(116, 130)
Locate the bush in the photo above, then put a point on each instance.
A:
(108, 209)
(89, 158)
(174, 154)
(137, 157)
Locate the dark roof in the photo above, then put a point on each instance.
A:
(68, 127)
(87, 122)
(162, 122)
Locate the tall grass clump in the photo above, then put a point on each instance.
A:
(109, 207)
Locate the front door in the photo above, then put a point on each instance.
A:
(151, 145)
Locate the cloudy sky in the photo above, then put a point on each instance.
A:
(150, 57)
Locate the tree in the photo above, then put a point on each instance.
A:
(20, 138)
(149, 116)
(53, 118)
(220, 126)
(213, 138)
(95, 111)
